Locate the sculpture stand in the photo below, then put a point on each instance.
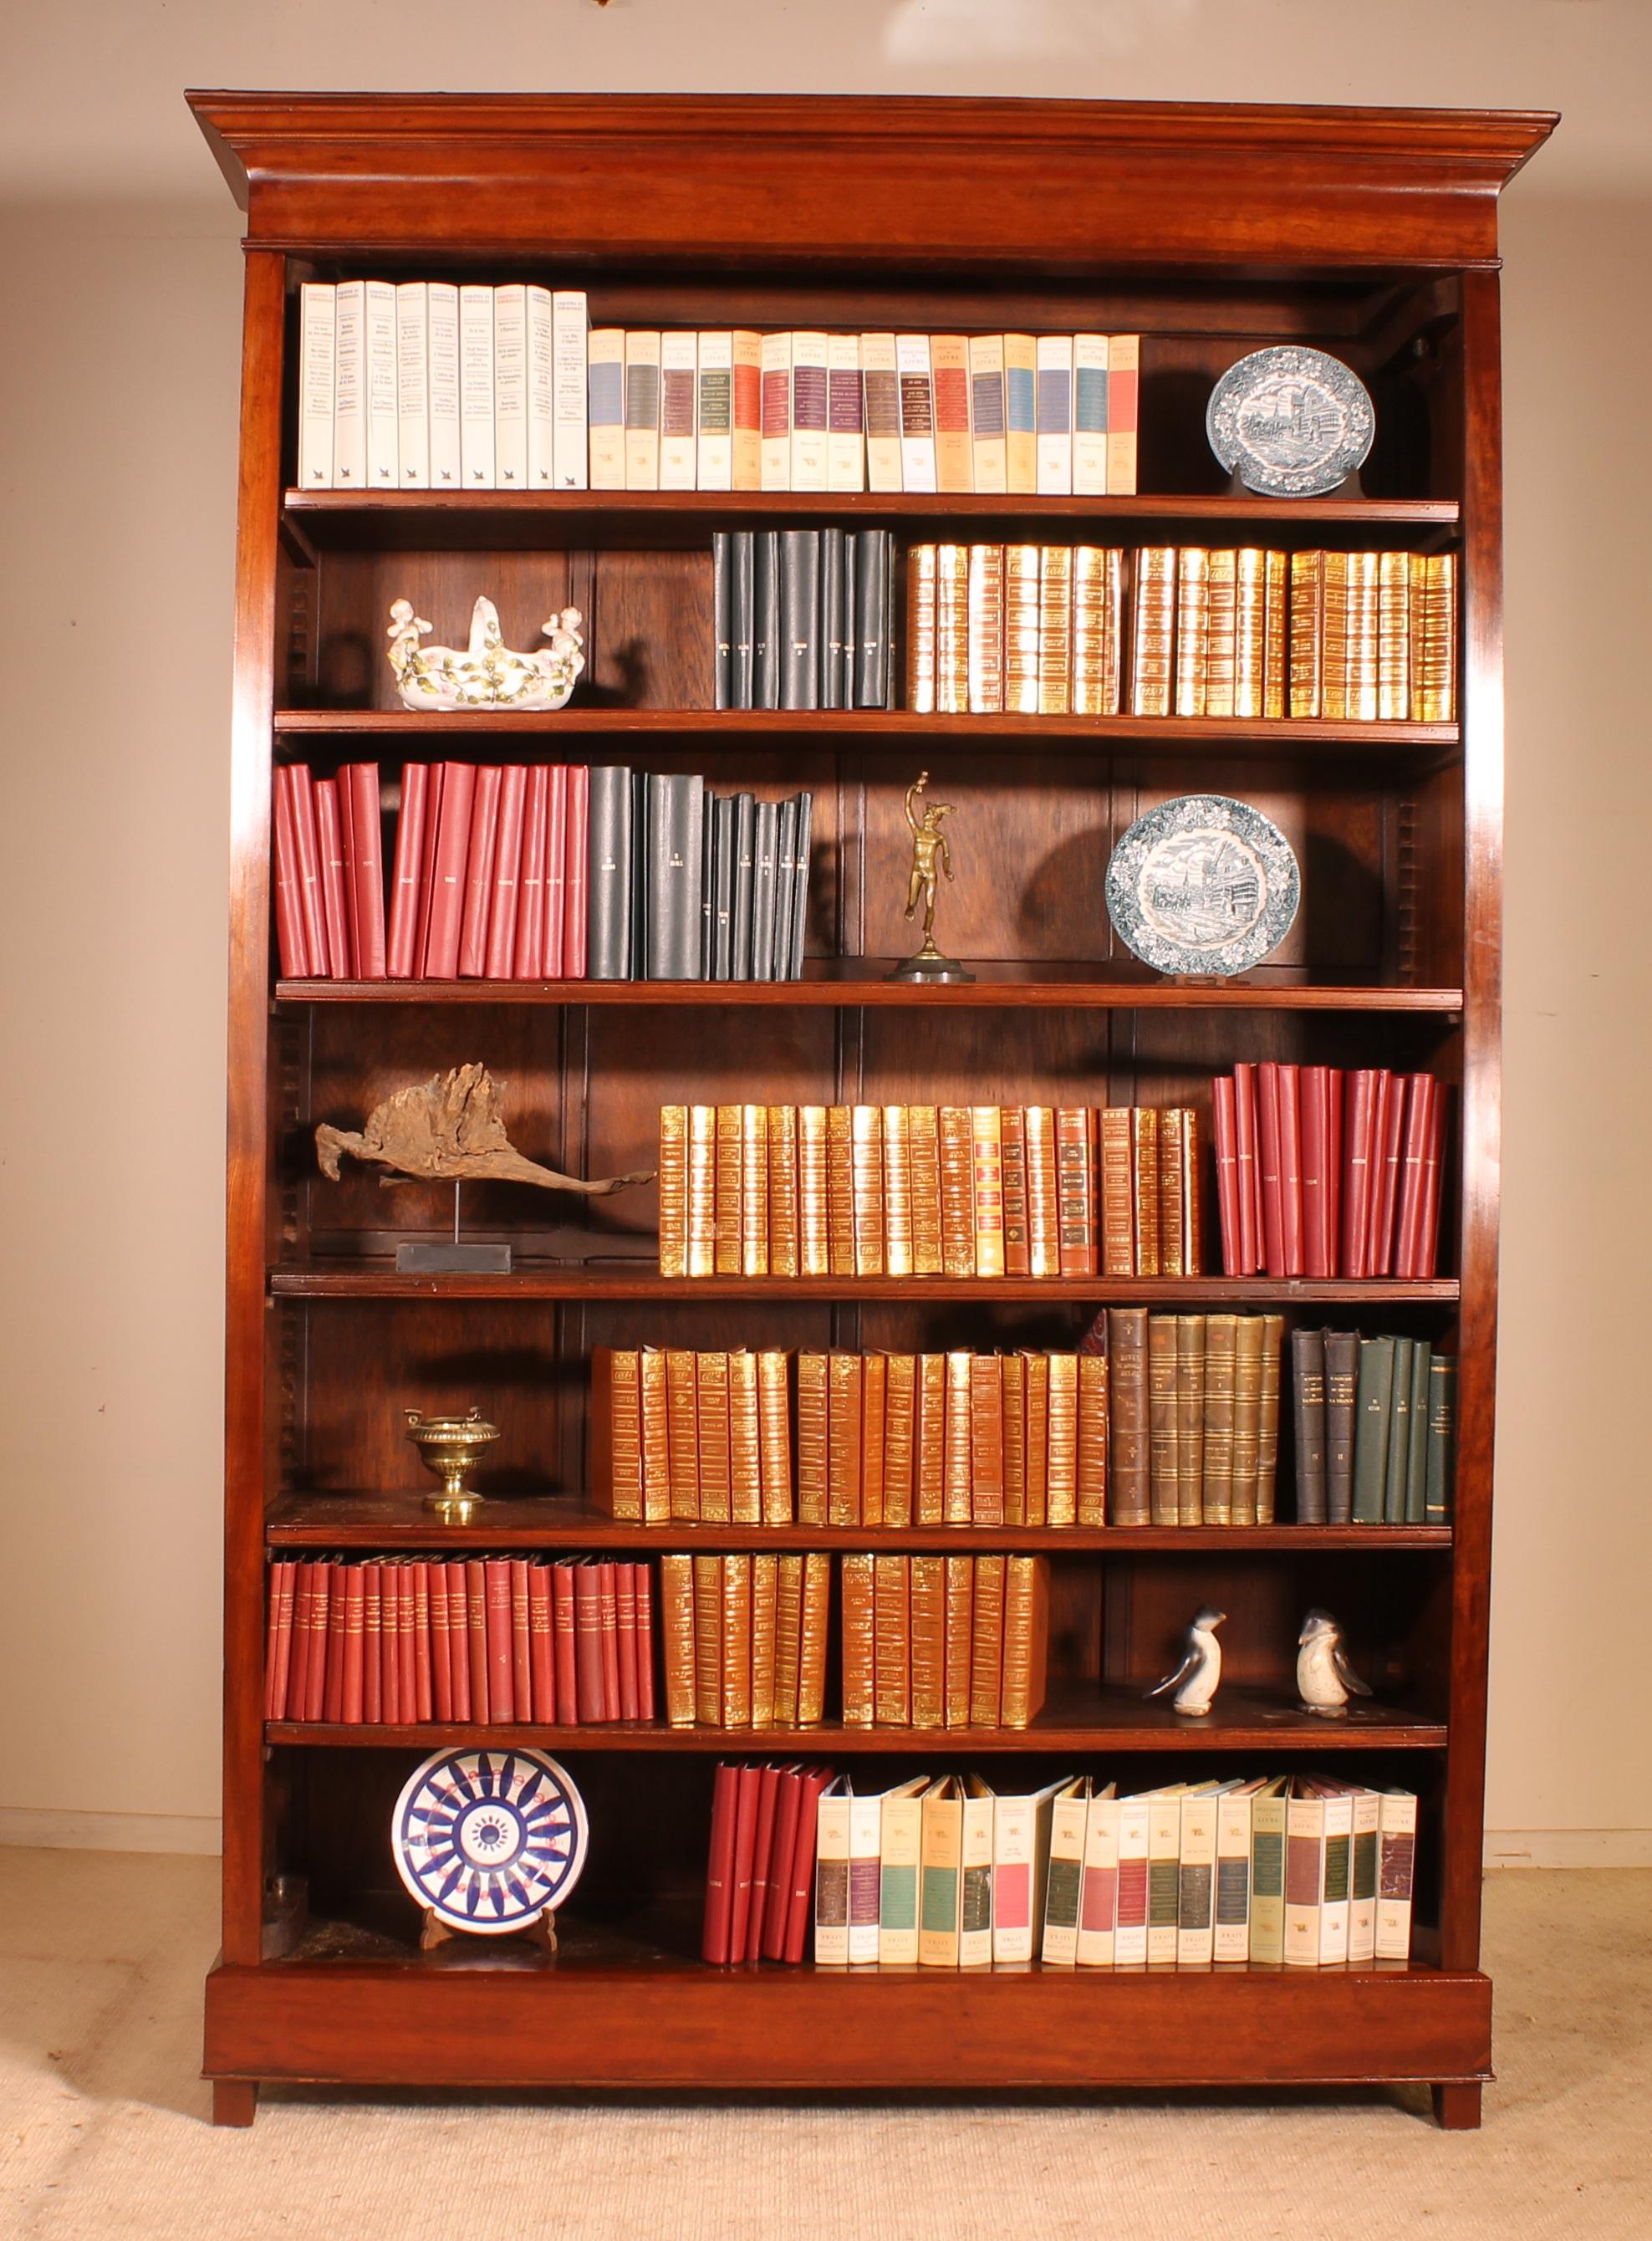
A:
(434, 1934)
(454, 1258)
(929, 965)
(1349, 487)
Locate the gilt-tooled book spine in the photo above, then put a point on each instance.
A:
(813, 1194)
(1193, 628)
(1043, 1196)
(866, 1141)
(1276, 633)
(1250, 633)
(1022, 566)
(1144, 1153)
(754, 1190)
(713, 1442)
(881, 402)
(952, 629)
(745, 1440)
(984, 654)
(1248, 1402)
(843, 1439)
(1055, 629)
(764, 1622)
(1038, 1438)
(1172, 1170)
(897, 1191)
(1363, 670)
(956, 1503)
(1192, 1191)
(989, 457)
(923, 1156)
(1394, 636)
(929, 1465)
(780, 1138)
(616, 1432)
(957, 1192)
(1273, 1348)
(1075, 1214)
(1442, 1428)
(726, 1231)
(788, 1639)
(1118, 1193)
(1013, 1152)
(875, 1393)
(683, 1433)
(1434, 640)
(677, 1638)
(986, 1643)
(1221, 1333)
(701, 1244)
(949, 369)
(1126, 1361)
(737, 1642)
(859, 1641)
(774, 1437)
(1091, 1489)
(1307, 1391)
(1062, 1493)
(926, 1592)
(1098, 623)
(1334, 630)
(987, 1439)
(1307, 634)
(1190, 1419)
(817, 1589)
(891, 1642)
(708, 1641)
(1153, 631)
(988, 1189)
(840, 1194)
(1026, 1626)
(656, 1437)
(1163, 1418)
(900, 1437)
(960, 1600)
(1014, 1377)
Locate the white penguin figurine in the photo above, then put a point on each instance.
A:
(1323, 1674)
(1196, 1679)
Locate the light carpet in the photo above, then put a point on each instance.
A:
(103, 2130)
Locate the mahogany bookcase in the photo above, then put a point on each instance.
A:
(1212, 230)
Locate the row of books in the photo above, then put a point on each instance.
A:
(1090, 630)
(1376, 1429)
(743, 1639)
(802, 618)
(491, 1640)
(1326, 1172)
(1195, 1403)
(430, 386)
(945, 1642)
(921, 1190)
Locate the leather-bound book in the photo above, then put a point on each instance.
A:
(299, 786)
(1267, 1408)
(674, 1190)
(448, 862)
(616, 1433)
(927, 1606)
(553, 892)
(735, 1641)
(1412, 1188)
(872, 577)
(713, 1444)
(1022, 564)
(1074, 1217)
(1359, 1171)
(1433, 1182)
(1013, 1154)
(772, 1429)
(754, 1190)
(401, 955)
(1038, 1438)
(831, 621)
(987, 1439)
(957, 1192)
(359, 800)
(1192, 1190)
(897, 1190)
(860, 1657)
(1190, 1420)
(839, 1171)
(923, 1162)
(1439, 1471)
(1055, 629)
(891, 1643)
(765, 1619)
(900, 1438)
(332, 844)
(1398, 1457)
(1221, 590)
(577, 856)
(875, 1393)
(1091, 1504)
(780, 1135)
(813, 1193)
(1248, 1170)
(701, 1195)
(279, 1638)
(682, 1430)
(1314, 1127)
(1117, 1210)
(955, 1508)
(1416, 1477)
(1223, 1130)
(812, 1439)
(921, 629)
(1221, 1339)
(843, 1439)
(985, 652)
(1152, 630)
(952, 630)
(1248, 1391)
(929, 1458)
(1269, 1171)
(1043, 1191)
(987, 1644)
(441, 1699)
(1363, 666)
(1129, 1471)
(1027, 1632)
(788, 1639)
(960, 1604)
(608, 1608)
(1307, 649)
(625, 1577)
(1172, 1165)
(588, 1647)
(1062, 1493)
(1163, 1422)
(988, 1170)
(479, 872)
(817, 1590)
(565, 1649)
(1098, 627)
(1276, 630)
(1014, 1373)
(764, 898)
(655, 1412)
(1287, 1080)
(1341, 1373)
(1438, 699)
(1394, 636)
(716, 1944)
(769, 1780)
(728, 1192)
(1307, 1394)
(1250, 634)
(527, 954)
(1193, 627)
(541, 1648)
(1144, 1152)
(865, 1171)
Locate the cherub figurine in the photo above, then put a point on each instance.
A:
(931, 855)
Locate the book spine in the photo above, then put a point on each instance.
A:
(1153, 631)
(957, 1191)
(975, 1896)
(776, 457)
(1124, 379)
(642, 349)
(1026, 1639)
(335, 887)
(477, 457)
(1222, 620)
(987, 1189)
(809, 416)
(746, 411)
(479, 865)
(845, 440)
(952, 629)
(605, 395)
(383, 466)
(1130, 1469)
(1090, 416)
(317, 376)
(1054, 629)
(949, 365)
(880, 394)
(714, 411)
(1098, 625)
(1062, 1460)
(813, 1191)
(1055, 364)
(511, 387)
(985, 627)
(917, 413)
(1012, 1147)
(891, 1642)
(569, 461)
(499, 955)
(1308, 1396)
(1075, 1214)
(859, 1659)
(988, 455)
(678, 410)
(1193, 628)
(1064, 1878)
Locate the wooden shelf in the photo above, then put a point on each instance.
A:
(378, 1281)
(334, 1520)
(849, 981)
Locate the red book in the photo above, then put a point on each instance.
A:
(479, 871)
(1413, 1162)
(347, 854)
(1288, 1091)
(720, 1867)
(389, 1645)
(802, 1879)
(521, 1641)
(441, 1644)
(310, 905)
(626, 1621)
(423, 1675)
(350, 1646)
(587, 1640)
(501, 1690)
(407, 1644)
(275, 1694)
(358, 786)
(507, 869)
(746, 1804)
(476, 1639)
(332, 1696)
(1356, 1193)
(404, 957)
(1268, 1146)
(373, 1684)
(556, 843)
(528, 960)
(1334, 1078)
(447, 862)
(542, 1666)
(565, 1645)
(1224, 1130)
(335, 884)
(320, 1615)
(762, 1861)
(1315, 1129)
(574, 855)
(459, 1639)
(777, 1898)
(1249, 1171)
(303, 1604)
(291, 953)
(645, 1583)
(608, 1591)
(434, 792)
(1433, 1176)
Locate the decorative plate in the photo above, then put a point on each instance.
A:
(489, 1840)
(1203, 885)
(1294, 421)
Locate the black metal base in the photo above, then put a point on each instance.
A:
(453, 1260)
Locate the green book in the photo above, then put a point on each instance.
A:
(1399, 1454)
(1442, 1442)
(1416, 1469)
(1371, 1406)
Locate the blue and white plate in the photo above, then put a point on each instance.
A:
(489, 1840)
(1203, 885)
(1295, 422)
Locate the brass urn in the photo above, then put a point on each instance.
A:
(450, 1446)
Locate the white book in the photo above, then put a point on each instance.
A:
(1064, 1876)
(986, 412)
(1054, 415)
(865, 1838)
(606, 389)
(382, 465)
(317, 334)
(642, 408)
(511, 387)
(1130, 1931)
(1164, 1863)
(846, 432)
(1020, 1862)
(1232, 1938)
(832, 1875)
(975, 1861)
(880, 411)
(1269, 1814)
(1089, 416)
(775, 366)
(1339, 1861)
(1368, 1822)
(1304, 1879)
(679, 381)
(476, 387)
(917, 389)
(541, 348)
(940, 1882)
(571, 319)
(714, 411)
(809, 428)
(900, 1851)
(1098, 1902)
(350, 392)
(1396, 1864)
(446, 467)
(1196, 1880)
(413, 384)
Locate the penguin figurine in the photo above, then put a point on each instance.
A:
(1197, 1678)
(1323, 1674)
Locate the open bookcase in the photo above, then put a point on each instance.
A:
(1212, 232)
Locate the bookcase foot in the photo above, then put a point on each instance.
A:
(234, 2101)
(1456, 2108)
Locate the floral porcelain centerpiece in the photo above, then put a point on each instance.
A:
(486, 675)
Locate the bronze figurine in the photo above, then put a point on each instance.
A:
(932, 856)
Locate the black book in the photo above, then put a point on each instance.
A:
(608, 876)
(891, 630)
(1341, 1380)
(831, 627)
(800, 884)
(745, 849)
(722, 620)
(799, 618)
(676, 820)
(765, 639)
(845, 667)
(640, 862)
(741, 668)
(722, 821)
(868, 628)
(1307, 1383)
(786, 834)
(707, 892)
(763, 893)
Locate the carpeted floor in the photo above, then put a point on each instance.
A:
(102, 2127)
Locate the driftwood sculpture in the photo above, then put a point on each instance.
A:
(449, 1131)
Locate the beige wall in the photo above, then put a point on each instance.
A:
(117, 389)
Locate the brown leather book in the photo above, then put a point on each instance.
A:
(1193, 1202)
(1152, 630)
(1221, 589)
(782, 1138)
(816, 1595)
(920, 629)
(1144, 1146)
(656, 1437)
(744, 1441)
(1220, 1339)
(1055, 629)
(766, 1575)
(1248, 1390)
(1250, 633)
(774, 1438)
(874, 1391)
(987, 1644)
(674, 1190)
(736, 1674)
(891, 1643)
(712, 1445)
(1307, 634)
(1170, 1210)
(987, 1439)
(726, 1255)
(1118, 1193)
(985, 695)
(677, 1638)
(814, 1257)
(929, 1459)
(1043, 1204)
(1013, 1154)
(1098, 628)
(1394, 636)
(1061, 1498)
(900, 1437)
(866, 1153)
(1193, 628)
(839, 1190)
(843, 1439)
(957, 1192)
(859, 1643)
(1021, 565)
(1027, 1637)
(813, 1440)
(1277, 678)
(1273, 1348)
(708, 1641)
(897, 1192)
(928, 1602)
(1076, 1228)
(754, 1190)
(1014, 1375)
(1363, 644)
(923, 1154)
(682, 1429)
(702, 1190)
(952, 630)
(1038, 1438)
(961, 1605)
(788, 1639)
(1190, 1420)
(955, 1508)
(1091, 1496)
(1162, 1423)
(988, 1187)
(1128, 1471)
(616, 1433)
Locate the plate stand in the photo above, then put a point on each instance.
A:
(1349, 487)
(435, 1933)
